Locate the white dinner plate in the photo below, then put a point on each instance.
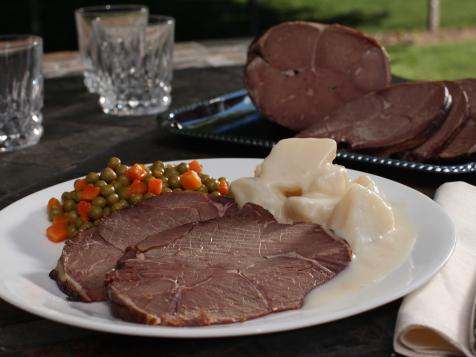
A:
(26, 258)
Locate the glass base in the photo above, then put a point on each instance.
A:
(135, 107)
(15, 136)
(91, 83)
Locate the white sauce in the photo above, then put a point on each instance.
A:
(373, 263)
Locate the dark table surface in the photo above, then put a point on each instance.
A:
(79, 138)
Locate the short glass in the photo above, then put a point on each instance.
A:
(116, 14)
(134, 66)
(21, 91)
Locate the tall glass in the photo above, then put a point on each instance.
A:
(134, 66)
(21, 91)
(114, 14)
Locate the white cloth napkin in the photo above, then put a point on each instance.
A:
(436, 319)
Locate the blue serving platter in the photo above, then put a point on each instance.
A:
(233, 118)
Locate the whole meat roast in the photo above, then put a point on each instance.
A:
(298, 72)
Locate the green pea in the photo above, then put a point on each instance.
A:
(135, 198)
(203, 189)
(158, 163)
(107, 190)
(75, 196)
(86, 225)
(92, 177)
(121, 170)
(123, 193)
(174, 182)
(166, 190)
(65, 196)
(114, 162)
(147, 179)
(158, 171)
(108, 174)
(182, 167)
(54, 211)
(204, 177)
(216, 193)
(95, 212)
(148, 195)
(100, 183)
(147, 169)
(69, 205)
(212, 185)
(165, 181)
(106, 211)
(79, 223)
(119, 205)
(72, 230)
(99, 201)
(72, 216)
(170, 171)
(112, 198)
(116, 184)
(123, 180)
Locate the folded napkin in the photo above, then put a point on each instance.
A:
(436, 319)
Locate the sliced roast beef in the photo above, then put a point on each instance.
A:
(298, 72)
(451, 126)
(464, 143)
(87, 258)
(393, 119)
(224, 270)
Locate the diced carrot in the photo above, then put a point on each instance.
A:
(223, 187)
(154, 186)
(60, 220)
(195, 166)
(136, 172)
(57, 233)
(54, 202)
(79, 184)
(83, 209)
(190, 180)
(137, 187)
(89, 192)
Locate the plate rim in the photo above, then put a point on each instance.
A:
(236, 329)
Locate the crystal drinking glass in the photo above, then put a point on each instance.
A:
(21, 91)
(114, 14)
(134, 65)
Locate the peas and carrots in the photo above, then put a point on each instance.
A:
(117, 186)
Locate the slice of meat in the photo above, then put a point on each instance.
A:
(87, 258)
(449, 129)
(391, 120)
(464, 142)
(224, 270)
(83, 264)
(298, 72)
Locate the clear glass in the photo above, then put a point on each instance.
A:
(21, 91)
(114, 14)
(134, 66)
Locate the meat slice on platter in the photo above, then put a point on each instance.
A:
(224, 270)
(450, 127)
(464, 142)
(391, 120)
(298, 72)
(86, 258)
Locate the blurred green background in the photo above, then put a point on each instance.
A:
(398, 23)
